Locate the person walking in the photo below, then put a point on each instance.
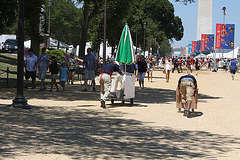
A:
(180, 64)
(233, 67)
(30, 67)
(71, 67)
(53, 67)
(187, 86)
(188, 65)
(168, 68)
(43, 67)
(90, 68)
(63, 75)
(105, 80)
(197, 66)
(175, 64)
(151, 67)
(142, 68)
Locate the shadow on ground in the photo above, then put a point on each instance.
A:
(8, 60)
(75, 93)
(88, 134)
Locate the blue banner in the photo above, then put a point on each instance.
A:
(198, 47)
(190, 49)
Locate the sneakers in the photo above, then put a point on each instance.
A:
(185, 113)
(85, 90)
(103, 103)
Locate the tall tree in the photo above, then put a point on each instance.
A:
(32, 15)
(90, 9)
(66, 20)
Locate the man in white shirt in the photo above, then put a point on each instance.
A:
(31, 59)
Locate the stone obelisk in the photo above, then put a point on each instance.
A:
(204, 21)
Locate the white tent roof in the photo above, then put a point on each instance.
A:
(226, 55)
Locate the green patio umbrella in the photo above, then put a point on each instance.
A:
(125, 52)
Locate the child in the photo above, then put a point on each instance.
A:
(63, 75)
(54, 72)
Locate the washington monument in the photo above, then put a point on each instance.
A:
(204, 21)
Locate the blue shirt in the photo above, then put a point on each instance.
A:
(43, 60)
(63, 72)
(91, 60)
(110, 68)
(233, 65)
(30, 62)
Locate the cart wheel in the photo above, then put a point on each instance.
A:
(131, 100)
(123, 102)
(112, 101)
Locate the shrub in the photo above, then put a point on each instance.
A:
(58, 53)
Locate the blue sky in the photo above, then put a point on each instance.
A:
(188, 14)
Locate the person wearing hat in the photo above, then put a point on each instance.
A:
(30, 67)
(187, 86)
(105, 80)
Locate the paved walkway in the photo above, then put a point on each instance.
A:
(71, 125)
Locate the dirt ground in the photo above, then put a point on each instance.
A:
(71, 125)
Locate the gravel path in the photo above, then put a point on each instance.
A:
(71, 125)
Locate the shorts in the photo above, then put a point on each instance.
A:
(150, 69)
(187, 89)
(54, 76)
(42, 74)
(136, 66)
(89, 74)
(233, 71)
(192, 66)
(141, 76)
(63, 79)
(30, 74)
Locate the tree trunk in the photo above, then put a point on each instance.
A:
(84, 31)
(34, 35)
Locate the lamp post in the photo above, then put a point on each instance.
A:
(104, 35)
(144, 27)
(20, 101)
(137, 19)
(224, 14)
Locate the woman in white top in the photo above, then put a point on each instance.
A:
(168, 68)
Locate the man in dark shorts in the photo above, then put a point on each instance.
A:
(30, 61)
(233, 67)
(175, 64)
(187, 86)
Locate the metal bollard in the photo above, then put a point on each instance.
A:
(7, 75)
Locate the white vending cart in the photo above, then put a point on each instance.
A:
(125, 88)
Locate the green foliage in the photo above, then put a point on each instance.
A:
(185, 2)
(58, 53)
(66, 20)
(8, 15)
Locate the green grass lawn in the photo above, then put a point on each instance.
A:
(10, 60)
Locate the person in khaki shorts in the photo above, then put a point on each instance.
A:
(105, 80)
(187, 85)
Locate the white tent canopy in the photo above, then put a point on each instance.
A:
(226, 55)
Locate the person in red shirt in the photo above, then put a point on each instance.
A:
(180, 64)
(192, 64)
